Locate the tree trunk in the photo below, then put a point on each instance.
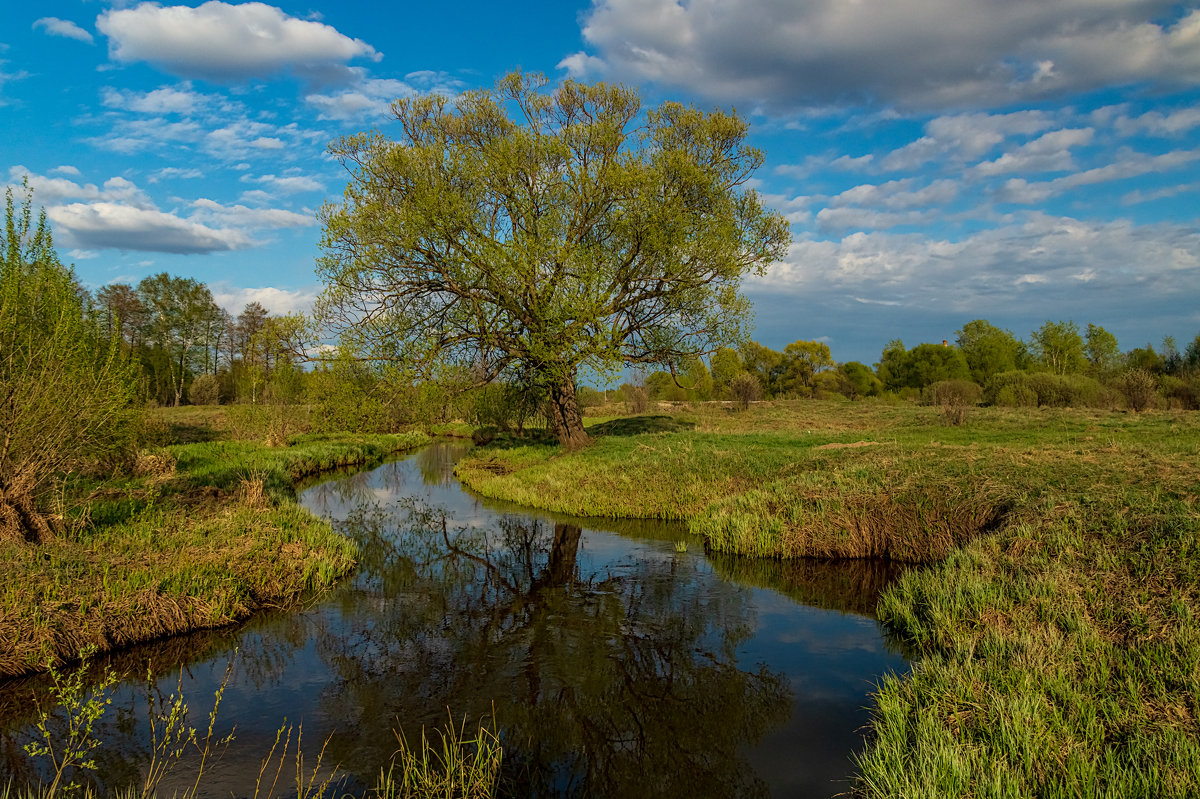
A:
(566, 422)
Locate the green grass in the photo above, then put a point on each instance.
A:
(1057, 623)
(207, 535)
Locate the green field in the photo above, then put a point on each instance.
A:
(1055, 620)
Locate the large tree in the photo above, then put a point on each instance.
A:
(582, 230)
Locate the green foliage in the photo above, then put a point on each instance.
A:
(745, 389)
(68, 393)
(662, 386)
(1042, 389)
(66, 733)
(724, 366)
(923, 365)
(1103, 353)
(857, 380)
(1139, 389)
(455, 767)
(765, 365)
(530, 249)
(1058, 348)
(590, 397)
(1144, 358)
(988, 349)
(205, 390)
(802, 362)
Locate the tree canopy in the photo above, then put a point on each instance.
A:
(527, 233)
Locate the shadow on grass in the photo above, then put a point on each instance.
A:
(636, 425)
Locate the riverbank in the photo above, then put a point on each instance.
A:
(201, 536)
(1057, 620)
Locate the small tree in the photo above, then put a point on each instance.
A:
(745, 389)
(579, 232)
(67, 390)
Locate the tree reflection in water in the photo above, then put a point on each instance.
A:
(621, 681)
(612, 664)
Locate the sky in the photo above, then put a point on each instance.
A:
(939, 160)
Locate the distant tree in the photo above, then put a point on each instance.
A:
(724, 365)
(122, 312)
(1191, 355)
(68, 390)
(933, 363)
(802, 362)
(179, 313)
(586, 232)
(766, 365)
(988, 349)
(1059, 348)
(1103, 353)
(1172, 359)
(893, 366)
(857, 380)
(697, 380)
(662, 386)
(1145, 359)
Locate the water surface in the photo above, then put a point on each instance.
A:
(614, 657)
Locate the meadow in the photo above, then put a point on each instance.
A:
(1054, 615)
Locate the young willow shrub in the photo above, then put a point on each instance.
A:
(69, 392)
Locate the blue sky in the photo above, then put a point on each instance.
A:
(939, 160)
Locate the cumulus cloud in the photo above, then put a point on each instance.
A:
(1128, 164)
(164, 100)
(288, 184)
(106, 225)
(919, 54)
(898, 195)
(1050, 152)
(965, 137)
(212, 212)
(1157, 123)
(276, 300)
(63, 27)
(227, 42)
(372, 97)
(1039, 262)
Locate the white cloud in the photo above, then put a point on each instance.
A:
(221, 41)
(898, 195)
(275, 300)
(915, 54)
(965, 137)
(106, 225)
(63, 27)
(49, 190)
(372, 98)
(1038, 262)
(83, 255)
(1156, 123)
(1129, 164)
(164, 100)
(1138, 196)
(581, 65)
(66, 169)
(289, 184)
(1050, 152)
(843, 218)
(178, 173)
(240, 216)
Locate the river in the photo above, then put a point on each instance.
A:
(614, 658)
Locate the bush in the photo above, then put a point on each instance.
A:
(637, 397)
(205, 390)
(952, 392)
(745, 389)
(589, 397)
(1139, 389)
(1042, 389)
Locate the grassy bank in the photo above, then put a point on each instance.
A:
(203, 535)
(1058, 623)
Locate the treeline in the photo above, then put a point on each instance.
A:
(1058, 365)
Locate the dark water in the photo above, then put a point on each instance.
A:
(613, 662)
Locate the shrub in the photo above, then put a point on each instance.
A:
(1042, 389)
(205, 390)
(745, 389)
(1139, 389)
(638, 399)
(953, 392)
